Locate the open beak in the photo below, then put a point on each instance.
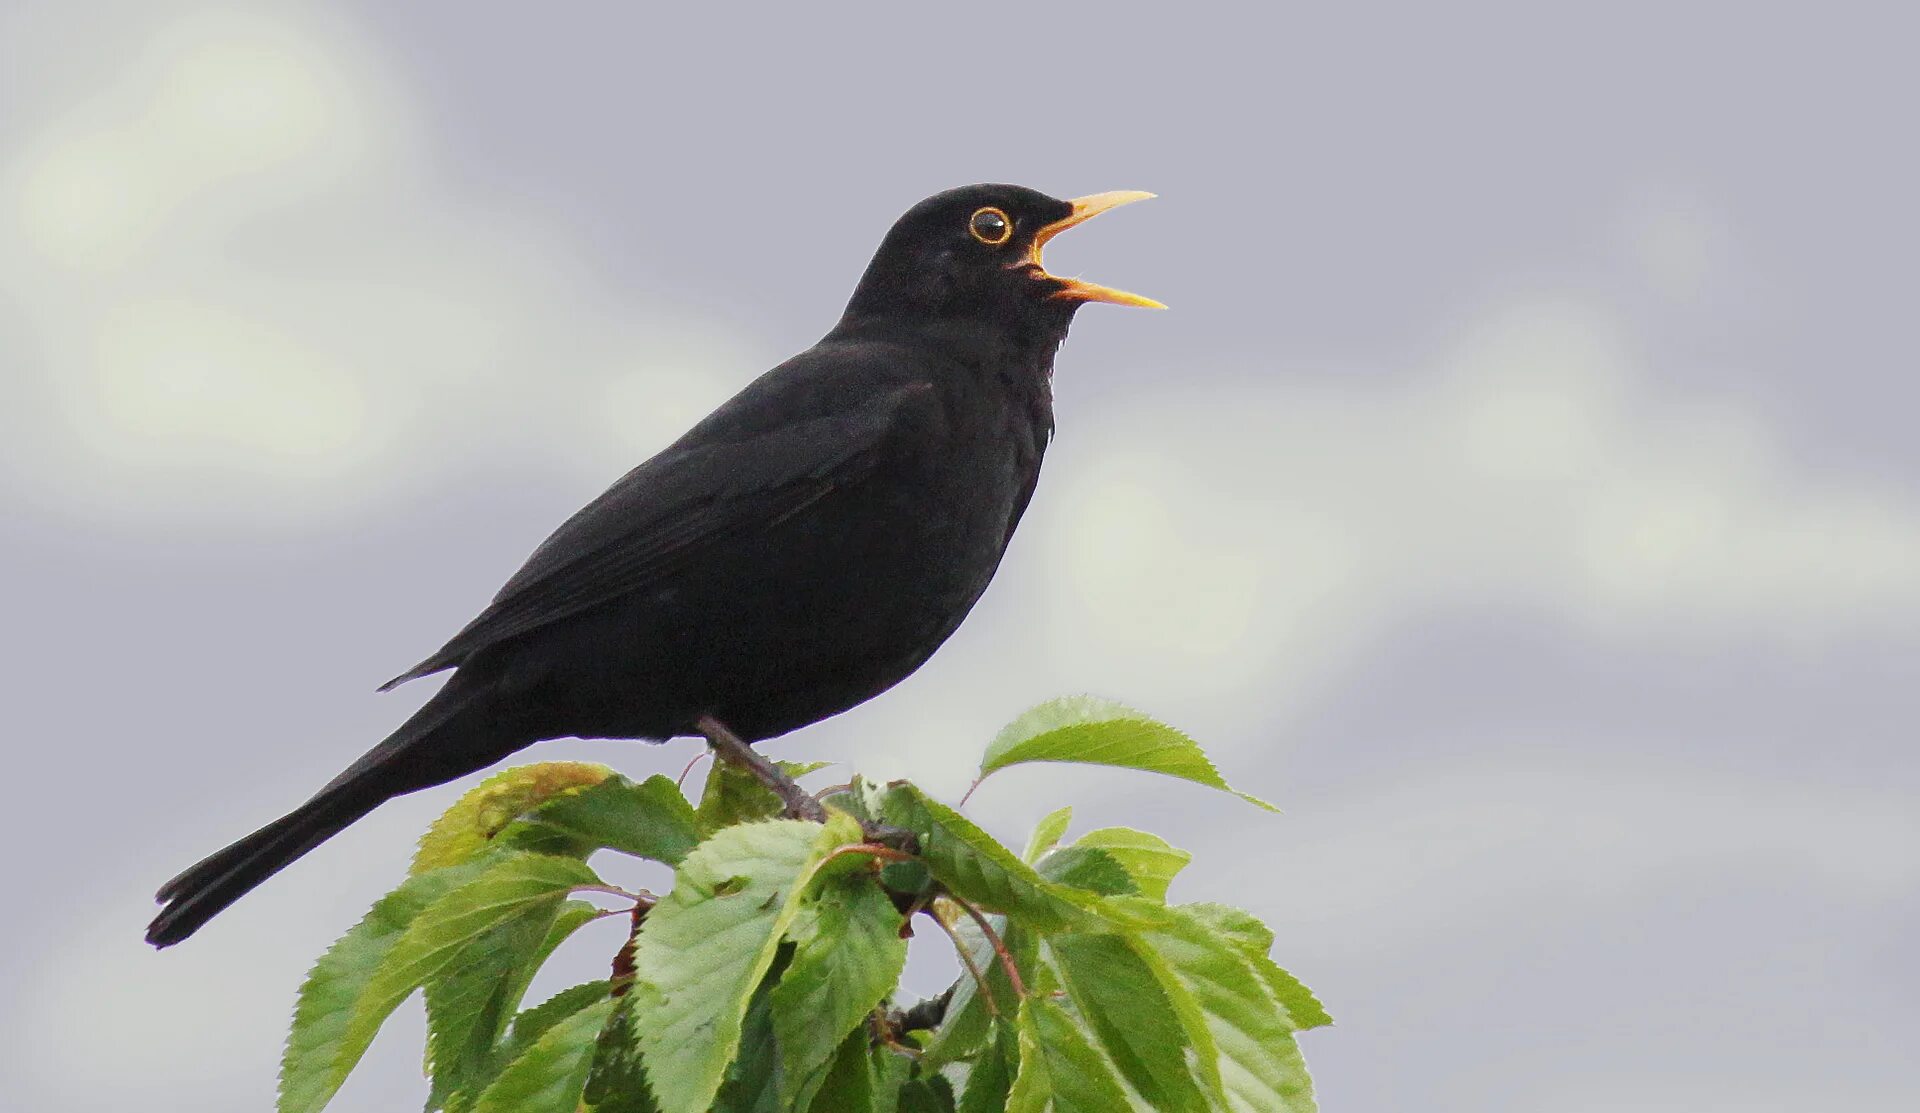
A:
(1085, 209)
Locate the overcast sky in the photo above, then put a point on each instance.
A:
(1521, 491)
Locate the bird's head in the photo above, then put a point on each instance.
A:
(973, 254)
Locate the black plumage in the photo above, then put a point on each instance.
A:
(805, 547)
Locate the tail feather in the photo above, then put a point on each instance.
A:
(434, 746)
(205, 889)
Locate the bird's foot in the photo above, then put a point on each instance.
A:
(729, 746)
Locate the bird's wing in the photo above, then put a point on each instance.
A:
(667, 510)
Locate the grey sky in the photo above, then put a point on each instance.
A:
(1521, 490)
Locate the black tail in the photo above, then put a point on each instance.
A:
(437, 744)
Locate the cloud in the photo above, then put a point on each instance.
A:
(1673, 239)
(102, 1019)
(1525, 835)
(1259, 538)
(1606, 1092)
(242, 285)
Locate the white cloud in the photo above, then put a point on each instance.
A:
(245, 288)
(1760, 1089)
(200, 121)
(102, 1020)
(1526, 835)
(1673, 239)
(1253, 539)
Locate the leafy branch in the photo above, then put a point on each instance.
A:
(764, 980)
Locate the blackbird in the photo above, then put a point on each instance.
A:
(802, 549)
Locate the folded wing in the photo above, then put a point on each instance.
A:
(667, 511)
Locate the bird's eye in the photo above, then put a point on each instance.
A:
(990, 226)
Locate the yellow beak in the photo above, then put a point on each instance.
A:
(1085, 209)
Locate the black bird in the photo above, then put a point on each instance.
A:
(804, 548)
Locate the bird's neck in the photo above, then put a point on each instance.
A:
(1022, 349)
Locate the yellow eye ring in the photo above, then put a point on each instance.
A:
(990, 226)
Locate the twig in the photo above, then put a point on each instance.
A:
(624, 970)
(875, 849)
(966, 957)
(999, 948)
(926, 1014)
(880, 1030)
(907, 914)
(899, 838)
(616, 891)
(799, 803)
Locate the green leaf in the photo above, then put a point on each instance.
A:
(1242, 927)
(469, 1005)
(733, 795)
(469, 826)
(848, 1087)
(1123, 1003)
(907, 877)
(847, 958)
(1255, 939)
(1093, 731)
(650, 820)
(1047, 834)
(490, 892)
(753, 977)
(926, 1095)
(1241, 1034)
(533, 1023)
(1303, 1008)
(851, 797)
(975, 867)
(526, 1028)
(992, 1075)
(1032, 1090)
(511, 889)
(861, 1079)
(1059, 1068)
(473, 1000)
(1090, 868)
(1147, 858)
(753, 1081)
(320, 1048)
(890, 1072)
(549, 1076)
(617, 1082)
(989, 1077)
(708, 943)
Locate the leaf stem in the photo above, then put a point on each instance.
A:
(647, 899)
(968, 794)
(966, 957)
(999, 947)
